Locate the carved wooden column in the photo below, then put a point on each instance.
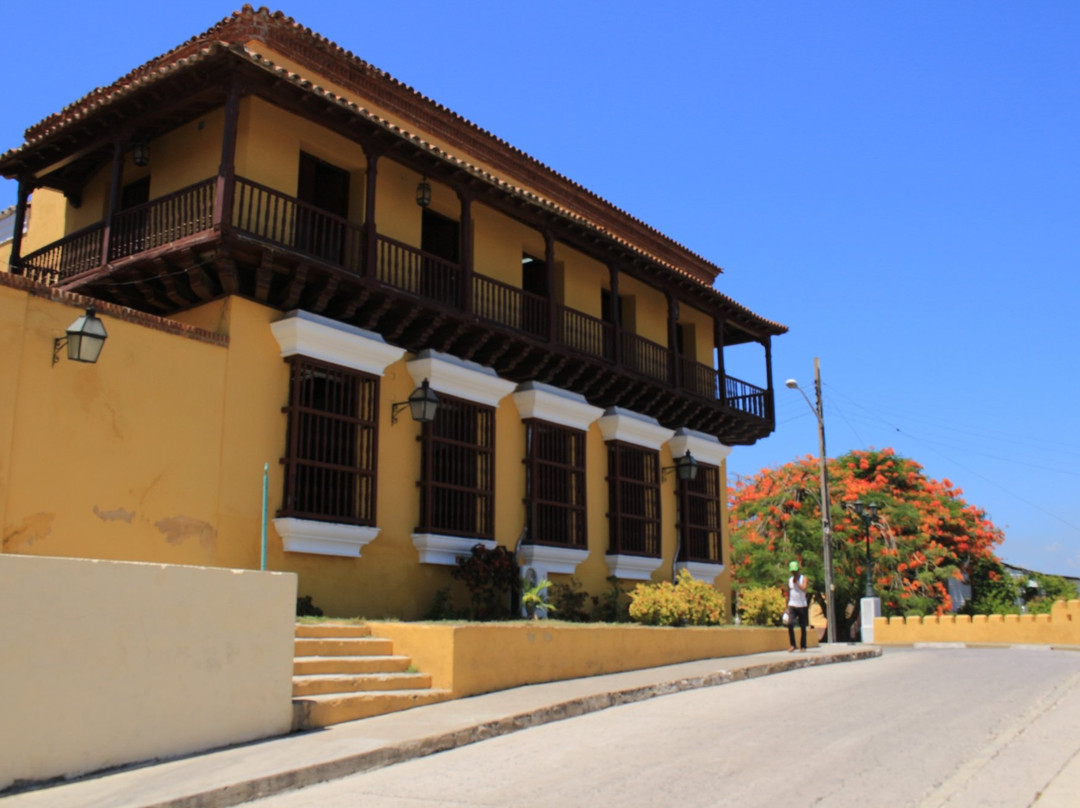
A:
(549, 268)
(718, 340)
(770, 409)
(14, 262)
(370, 232)
(466, 253)
(114, 198)
(226, 179)
(675, 360)
(616, 314)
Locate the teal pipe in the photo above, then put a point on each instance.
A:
(266, 495)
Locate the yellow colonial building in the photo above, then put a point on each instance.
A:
(285, 245)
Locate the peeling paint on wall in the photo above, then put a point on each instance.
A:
(114, 515)
(178, 529)
(33, 528)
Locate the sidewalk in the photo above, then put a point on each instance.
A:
(239, 774)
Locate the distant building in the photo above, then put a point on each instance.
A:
(285, 243)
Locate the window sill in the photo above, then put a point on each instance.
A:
(549, 558)
(324, 538)
(445, 550)
(632, 567)
(701, 570)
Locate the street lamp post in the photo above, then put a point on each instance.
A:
(826, 519)
(867, 511)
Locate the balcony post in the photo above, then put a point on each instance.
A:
(226, 179)
(549, 268)
(721, 380)
(466, 254)
(674, 357)
(370, 232)
(616, 315)
(114, 198)
(770, 413)
(14, 262)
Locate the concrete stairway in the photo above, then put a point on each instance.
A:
(342, 673)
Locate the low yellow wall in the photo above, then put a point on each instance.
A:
(1060, 627)
(479, 658)
(105, 663)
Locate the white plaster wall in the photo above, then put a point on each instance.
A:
(104, 663)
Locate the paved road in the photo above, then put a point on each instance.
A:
(921, 727)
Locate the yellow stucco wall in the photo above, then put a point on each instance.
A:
(109, 663)
(472, 659)
(1060, 627)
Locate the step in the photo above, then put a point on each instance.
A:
(388, 663)
(351, 646)
(332, 630)
(310, 712)
(317, 684)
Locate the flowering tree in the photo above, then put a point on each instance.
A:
(924, 533)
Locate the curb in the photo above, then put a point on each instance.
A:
(270, 785)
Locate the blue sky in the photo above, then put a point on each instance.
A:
(899, 183)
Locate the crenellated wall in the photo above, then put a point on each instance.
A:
(1060, 627)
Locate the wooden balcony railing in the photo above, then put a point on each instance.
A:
(268, 215)
(646, 357)
(586, 334)
(272, 216)
(71, 255)
(509, 306)
(416, 271)
(162, 221)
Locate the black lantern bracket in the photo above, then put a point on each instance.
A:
(423, 404)
(84, 339)
(685, 468)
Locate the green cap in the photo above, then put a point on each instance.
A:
(793, 566)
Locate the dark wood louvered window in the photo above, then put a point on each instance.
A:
(699, 514)
(331, 443)
(457, 478)
(634, 499)
(555, 484)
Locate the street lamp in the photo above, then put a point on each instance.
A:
(826, 520)
(867, 511)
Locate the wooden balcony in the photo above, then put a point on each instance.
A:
(181, 250)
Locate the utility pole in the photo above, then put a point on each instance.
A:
(826, 517)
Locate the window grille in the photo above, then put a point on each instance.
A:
(699, 506)
(555, 484)
(634, 499)
(457, 480)
(331, 443)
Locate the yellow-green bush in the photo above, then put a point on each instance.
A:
(688, 602)
(761, 606)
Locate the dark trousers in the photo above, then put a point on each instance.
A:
(802, 615)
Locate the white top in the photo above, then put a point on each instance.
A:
(796, 596)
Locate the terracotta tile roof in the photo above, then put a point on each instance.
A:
(248, 24)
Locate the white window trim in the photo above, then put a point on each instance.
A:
(306, 334)
(547, 558)
(631, 427)
(324, 538)
(445, 550)
(555, 405)
(703, 447)
(459, 378)
(700, 570)
(633, 567)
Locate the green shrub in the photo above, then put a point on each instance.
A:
(492, 578)
(688, 602)
(611, 606)
(305, 607)
(570, 600)
(762, 606)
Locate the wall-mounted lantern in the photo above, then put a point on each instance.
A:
(685, 468)
(423, 403)
(140, 153)
(84, 340)
(423, 192)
